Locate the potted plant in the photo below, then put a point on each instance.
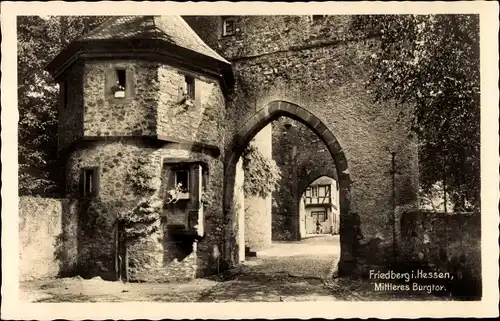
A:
(176, 193)
(118, 90)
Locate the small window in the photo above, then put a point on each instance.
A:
(228, 27)
(314, 191)
(316, 18)
(321, 191)
(121, 75)
(90, 182)
(319, 216)
(121, 83)
(182, 178)
(308, 192)
(190, 90)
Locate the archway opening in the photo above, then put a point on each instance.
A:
(252, 129)
(319, 208)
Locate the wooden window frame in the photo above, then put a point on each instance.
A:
(186, 194)
(112, 77)
(315, 215)
(95, 183)
(180, 170)
(318, 17)
(225, 33)
(322, 187)
(190, 83)
(314, 191)
(120, 72)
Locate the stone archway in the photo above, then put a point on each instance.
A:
(257, 122)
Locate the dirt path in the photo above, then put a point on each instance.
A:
(312, 257)
(288, 271)
(97, 290)
(268, 288)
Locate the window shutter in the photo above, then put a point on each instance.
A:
(130, 86)
(81, 185)
(97, 182)
(194, 188)
(197, 93)
(110, 81)
(170, 178)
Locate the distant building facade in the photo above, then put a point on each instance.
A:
(320, 213)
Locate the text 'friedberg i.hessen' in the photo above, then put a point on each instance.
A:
(385, 280)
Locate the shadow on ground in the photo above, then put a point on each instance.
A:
(288, 271)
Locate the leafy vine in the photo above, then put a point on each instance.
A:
(144, 177)
(262, 174)
(143, 219)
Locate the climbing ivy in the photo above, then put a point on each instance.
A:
(144, 176)
(262, 175)
(143, 220)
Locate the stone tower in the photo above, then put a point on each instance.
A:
(142, 110)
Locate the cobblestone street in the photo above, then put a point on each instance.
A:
(287, 271)
(313, 256)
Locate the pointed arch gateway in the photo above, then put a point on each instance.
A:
(258, 121)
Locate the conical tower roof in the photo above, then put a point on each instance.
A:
(167, 39)
(172, 29)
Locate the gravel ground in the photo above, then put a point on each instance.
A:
(288, 271)
(312, 257)
(78, 289)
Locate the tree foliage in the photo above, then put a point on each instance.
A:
(262, 175)
(40, 40)
(431, 63)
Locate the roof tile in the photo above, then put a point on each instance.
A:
(172, 29)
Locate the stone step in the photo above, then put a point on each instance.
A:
(249, 253)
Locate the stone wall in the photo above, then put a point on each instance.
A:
(201, 122)
(48, 238)
(446, 242)
(71, 107)
(109, 116)
(117, 195)
(152, 107)
(321, 67)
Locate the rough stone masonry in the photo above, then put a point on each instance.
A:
(319, 65)
(189, 105)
